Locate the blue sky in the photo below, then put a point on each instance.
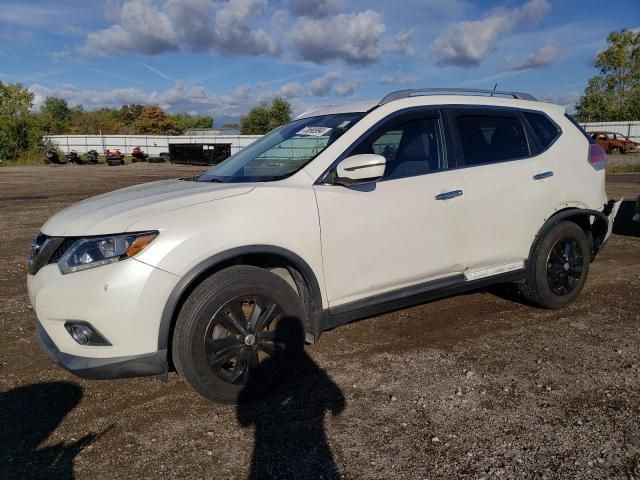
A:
(220, 57)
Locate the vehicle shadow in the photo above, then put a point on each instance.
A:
(28, 416)
(290, 439)
(624, 224)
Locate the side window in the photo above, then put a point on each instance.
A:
(487, 139)
(545, 129)
(411, 147)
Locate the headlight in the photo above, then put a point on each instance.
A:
(88, 253)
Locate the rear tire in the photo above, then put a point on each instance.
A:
(238, 333)
(558, 267)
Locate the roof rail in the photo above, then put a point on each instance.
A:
(416, 92)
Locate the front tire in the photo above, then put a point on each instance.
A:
(558, 267)
(238, 333)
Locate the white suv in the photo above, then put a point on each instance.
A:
(345, 212)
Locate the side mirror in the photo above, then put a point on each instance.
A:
(362, 168)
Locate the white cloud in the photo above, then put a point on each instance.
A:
(328, 84)
(290, 90)
(541, 58)
(346, 89)
(143, 28)
(191, 21)
(353, 37)
(183, 25)
(398, 78)
(180, 97)
(315, 8)
(402, 43)
(322, 86)
(235, 34)
(467, 43)
(567, 100)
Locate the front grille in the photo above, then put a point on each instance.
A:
(46, 250)
(61, 250)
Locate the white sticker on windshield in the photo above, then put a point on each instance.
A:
(314, 131)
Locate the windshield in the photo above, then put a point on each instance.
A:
(283, 151)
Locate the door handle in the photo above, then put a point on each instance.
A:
(449, 195)
(540, 176)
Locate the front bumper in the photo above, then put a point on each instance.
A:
(123, 301)
(104, 368)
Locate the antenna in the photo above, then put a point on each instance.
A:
(494, 89)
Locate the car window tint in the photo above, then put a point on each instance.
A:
(410, 148)
(545, 129)
(487, 139)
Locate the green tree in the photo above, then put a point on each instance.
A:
(105, 121)
(14, 99)
(130, 113)
(264, 117)
(186, 121)
(19, 130)
(154, 121)
(56, 112)
(614, 94)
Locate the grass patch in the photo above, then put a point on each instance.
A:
(627, 168)
(27, 158)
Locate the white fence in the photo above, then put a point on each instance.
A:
(630, 129)
(151, 144)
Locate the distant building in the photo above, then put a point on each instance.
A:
(203, 131)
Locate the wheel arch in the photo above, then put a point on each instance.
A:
(596, 229)
(257, 255)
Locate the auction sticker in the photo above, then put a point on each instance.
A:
(314, 131)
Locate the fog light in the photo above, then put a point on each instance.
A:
(80, 334)
(85, 334)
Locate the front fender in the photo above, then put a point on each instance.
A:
(206, 267)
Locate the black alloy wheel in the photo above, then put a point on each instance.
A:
(242, 344)
(565, 265)
(238, 334)
(557, 267)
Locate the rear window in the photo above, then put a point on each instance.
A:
(545, 129)
(582, 130)
(487, 139)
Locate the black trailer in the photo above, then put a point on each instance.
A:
(199, 153)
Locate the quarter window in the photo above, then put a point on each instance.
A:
(411, 148)
(487, 139)
(545, 129)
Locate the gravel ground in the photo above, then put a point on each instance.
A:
(474, 386)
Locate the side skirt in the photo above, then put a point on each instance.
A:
(410, 296)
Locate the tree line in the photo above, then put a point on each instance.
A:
(22, 129)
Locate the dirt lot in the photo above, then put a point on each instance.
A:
(469, 387)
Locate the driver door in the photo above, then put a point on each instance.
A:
(403, 230)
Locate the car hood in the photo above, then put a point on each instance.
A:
(116, 211)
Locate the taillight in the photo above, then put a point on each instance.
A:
(597, 156)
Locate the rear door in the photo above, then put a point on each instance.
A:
(511, 183)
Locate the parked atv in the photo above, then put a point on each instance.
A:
(138, 155)
(51, 155)
(114, 157)
(73, 157)
(92, 157)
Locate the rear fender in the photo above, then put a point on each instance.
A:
(596, 224)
